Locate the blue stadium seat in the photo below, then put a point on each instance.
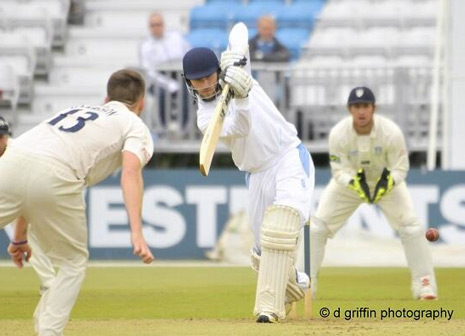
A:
(223, 1)
(214, 15)
(249, 14)
(252, 32)
(300, 15)
(216, 39)
(294, 39)
(308, 1)
(266, 1)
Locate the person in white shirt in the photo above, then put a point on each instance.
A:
(162, 46)
(39, 261)
(279, 173)
(369, 164)
(44, 172)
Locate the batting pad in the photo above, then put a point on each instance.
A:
(280, 231)
(294, 291)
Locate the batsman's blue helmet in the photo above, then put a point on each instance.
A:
(361, 94)
(199, 63)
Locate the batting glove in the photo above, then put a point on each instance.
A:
(232, 58)
(383, 186)
(360, 186)
(239, 80)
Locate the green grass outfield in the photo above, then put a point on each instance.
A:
(219, 301)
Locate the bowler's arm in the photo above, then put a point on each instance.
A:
(132, 184)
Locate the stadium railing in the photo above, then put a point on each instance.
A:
(313, 99)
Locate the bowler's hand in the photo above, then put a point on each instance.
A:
(19, 253)
(141, 249)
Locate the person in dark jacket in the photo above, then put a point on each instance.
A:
(265, 47)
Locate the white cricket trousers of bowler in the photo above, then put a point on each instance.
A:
(290, 182)
(338, 203)
(49, 195)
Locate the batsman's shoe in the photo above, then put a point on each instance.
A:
(266, 317)
(424, 289)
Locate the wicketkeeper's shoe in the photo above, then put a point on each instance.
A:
(266, 317)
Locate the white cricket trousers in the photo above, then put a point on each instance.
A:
(338, 203)
(49, 195)
(290, 182)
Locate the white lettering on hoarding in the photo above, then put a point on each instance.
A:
(207, 200)
(106, 211)
(166, 225)
(158, 210)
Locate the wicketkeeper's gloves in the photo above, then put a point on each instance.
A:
(360, 186)
(239, 80)
(384, 185)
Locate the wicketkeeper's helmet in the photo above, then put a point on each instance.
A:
(361, 94)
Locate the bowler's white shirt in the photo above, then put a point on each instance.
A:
(93, 151)
(383, 148)
(254, 130)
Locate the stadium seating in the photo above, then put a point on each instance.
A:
(216, 39)
(225, 1)
(9, 86)
(37, 27)
(57, 10)
(295, 20)
(18, 52)
(217, 15)
(294, 39)
(89, 44)
(299, 15)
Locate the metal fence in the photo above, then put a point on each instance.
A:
(313, 99)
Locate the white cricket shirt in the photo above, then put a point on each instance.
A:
(383, 148)
(90, 139)
(254, 130)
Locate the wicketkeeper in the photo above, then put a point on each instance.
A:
(369, 163)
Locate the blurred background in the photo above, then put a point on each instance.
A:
(58, 53)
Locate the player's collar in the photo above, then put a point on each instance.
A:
(117, 105)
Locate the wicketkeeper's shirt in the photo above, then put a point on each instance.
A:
(384, 147)
(254, 130)
(90, 139)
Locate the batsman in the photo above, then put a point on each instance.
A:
(279, 172)
(369, 164)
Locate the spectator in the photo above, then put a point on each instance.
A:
(161, 47)
(265, 47)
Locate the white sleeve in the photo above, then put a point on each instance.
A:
(139, 142)
(341, 168)
(397, 157)
(236, 123)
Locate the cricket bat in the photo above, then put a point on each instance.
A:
(238, 41)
